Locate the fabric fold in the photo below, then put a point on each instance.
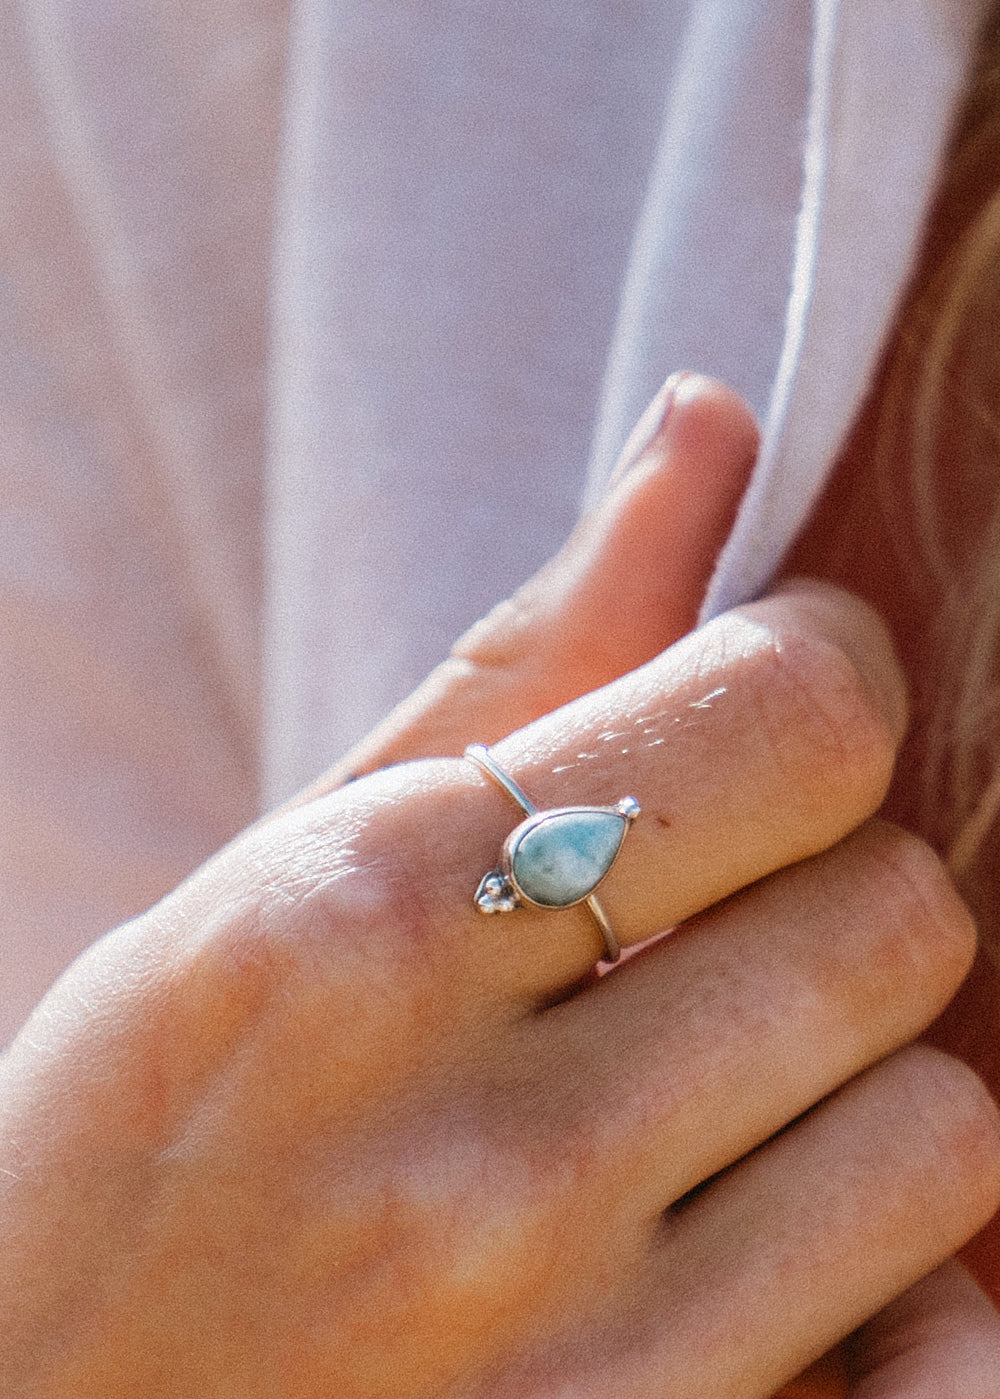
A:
(885, 82)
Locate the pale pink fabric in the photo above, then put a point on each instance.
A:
(137, 159)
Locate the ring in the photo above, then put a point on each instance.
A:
(556, 858)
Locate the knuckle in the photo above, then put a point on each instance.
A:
(502, 639)
(474, 1207)
(915, 911)
(823, 719)
(284, 947)
(959, 1125)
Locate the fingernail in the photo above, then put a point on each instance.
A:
(650, 426)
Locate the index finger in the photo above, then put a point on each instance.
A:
(755, 742)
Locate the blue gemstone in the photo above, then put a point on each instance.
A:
(562, 858)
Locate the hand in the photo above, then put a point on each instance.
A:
(537, 651)
(313, 1126)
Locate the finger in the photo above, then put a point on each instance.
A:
(796, 1246)
(374, 885)
(626, 585)
(710, 1042)
(940, 1339)
(363, 900)
(827, 1379)
(756, 742)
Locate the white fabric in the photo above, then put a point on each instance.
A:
(885, 79)
(459, 195)
(497, 220)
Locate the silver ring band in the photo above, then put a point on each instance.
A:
(555, 858)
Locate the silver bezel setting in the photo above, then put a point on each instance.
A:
(499, 891)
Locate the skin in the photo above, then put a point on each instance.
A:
(313, 1126)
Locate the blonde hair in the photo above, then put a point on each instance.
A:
(936, 406)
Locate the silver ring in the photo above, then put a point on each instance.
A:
(556, 858)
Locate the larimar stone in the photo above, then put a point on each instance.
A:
(562, 858)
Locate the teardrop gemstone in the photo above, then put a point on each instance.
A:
(562, 858)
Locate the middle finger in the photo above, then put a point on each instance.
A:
(717, 1037)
